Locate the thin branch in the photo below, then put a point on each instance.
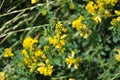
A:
(30, 8)
(2, 4)
(26, 29)
(115, 76)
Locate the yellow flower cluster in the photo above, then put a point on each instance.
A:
(8, 52)
(99, 7)
(116, 20)
(71, 60)
(28, 42)
(34, 57)
(111, 2)
(45, 69)
(58, 40)
(28, 60)
(39, 53)
(59, 28)
(117, 56)
(81, 27)
(91, 7)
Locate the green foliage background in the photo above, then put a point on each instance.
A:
(20, 18)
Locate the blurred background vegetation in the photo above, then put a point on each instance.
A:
(22, 18)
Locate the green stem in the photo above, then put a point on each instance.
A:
(59, 78)
(115, 76)
(30, 8)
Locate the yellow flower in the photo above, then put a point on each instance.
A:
(97, 19)
(39, 53)
(28, 42)
(63, 36)
(117, 12)
(118, 18)
(84, 35)
(76, 62)
(47, 61)
(71, 79)
(73, 61)
(44, 12)
(45, 70)
(69, 62)
(41, 64)
(113, 22)
(117, 56)
(112, 2)
(34, 59)
(32, 67)
(53, 40)
(73, 53)
(61, 50)
(80, 27)
(59, 28)
(42, 70)
(34, 1)
(78, 23)
(27, 60)
(57, 41)
(100, 4)
(8, 52)
(72, 6)
(24, 52)
(91, 7)
(46, 48)
(2, 75)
